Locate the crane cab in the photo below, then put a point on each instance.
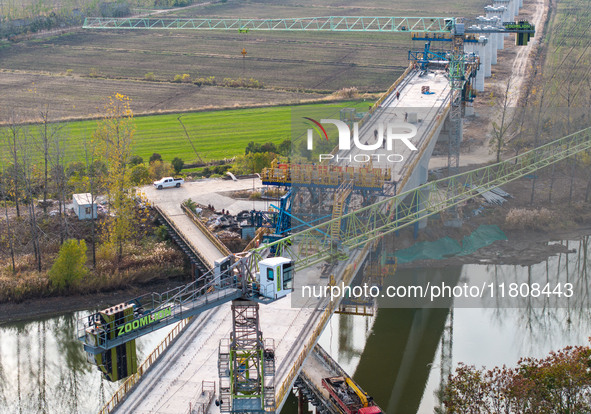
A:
(275, 277)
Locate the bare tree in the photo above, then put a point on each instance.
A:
(10, 234)
(58, 174)
(29, 182)
(501, 131)
(12, 137)
(46, 135)
(95, 174)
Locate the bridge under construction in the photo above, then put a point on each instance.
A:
(200, 367)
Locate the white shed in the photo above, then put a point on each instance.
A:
(84, 208)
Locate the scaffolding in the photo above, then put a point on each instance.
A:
(325, 176)
(246, 364)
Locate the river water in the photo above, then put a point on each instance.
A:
(395, 355)
(43, 367)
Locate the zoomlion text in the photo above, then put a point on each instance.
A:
(146, 320)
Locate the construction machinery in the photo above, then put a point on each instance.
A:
(246, 362)
(347, 395)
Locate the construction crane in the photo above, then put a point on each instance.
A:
(246, 364)
(249, 279)
(455, 30)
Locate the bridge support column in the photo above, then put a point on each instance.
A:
(507, 13)
(490, 24)
(493, 46)
(488, 54)
(498, 13)
(423, 168)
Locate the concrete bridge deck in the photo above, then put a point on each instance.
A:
(174, 382)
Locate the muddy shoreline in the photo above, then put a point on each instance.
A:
(520, 249)
(52, 306)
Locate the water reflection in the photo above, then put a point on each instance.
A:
(397, 354)
(43, 368)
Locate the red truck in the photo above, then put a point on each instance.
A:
(349, 397)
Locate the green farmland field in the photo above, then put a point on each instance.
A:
(215, 134)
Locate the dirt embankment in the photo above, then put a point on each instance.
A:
(36, 308)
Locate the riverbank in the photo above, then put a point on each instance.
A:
(42, 307)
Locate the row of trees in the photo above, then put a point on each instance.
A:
(34, 167)
(557, 384)
(553, 104)
(284, 148)
(21, 17)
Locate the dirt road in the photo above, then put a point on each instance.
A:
(534, 11)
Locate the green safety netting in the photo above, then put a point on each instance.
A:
(447, 247)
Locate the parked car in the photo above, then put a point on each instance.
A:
(168, 182)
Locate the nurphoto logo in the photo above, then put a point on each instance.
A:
(389, 132)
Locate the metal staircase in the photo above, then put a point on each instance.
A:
(340, 201)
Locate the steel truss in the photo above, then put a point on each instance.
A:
(370, 223)
(328, 23)
(246, 364)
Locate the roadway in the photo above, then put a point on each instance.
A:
(204, 192)
(174, 382)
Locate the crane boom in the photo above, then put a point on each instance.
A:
(327, 23)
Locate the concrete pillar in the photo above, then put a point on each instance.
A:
(487, 55)
(496, 13)
(423, 170)
(511, 7)
(492, 12)
(493, 38)
(507, 13)
(488, 24)
(479, 50)
(515, 7)
(424, 196)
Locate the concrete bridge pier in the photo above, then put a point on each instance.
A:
(507, 14)
(490, 24)
(497, 12)
(513, 6)
(484, 51)
(493, 46)
(488, 53)
(517, 6)
(419, 175)
(479, 81)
